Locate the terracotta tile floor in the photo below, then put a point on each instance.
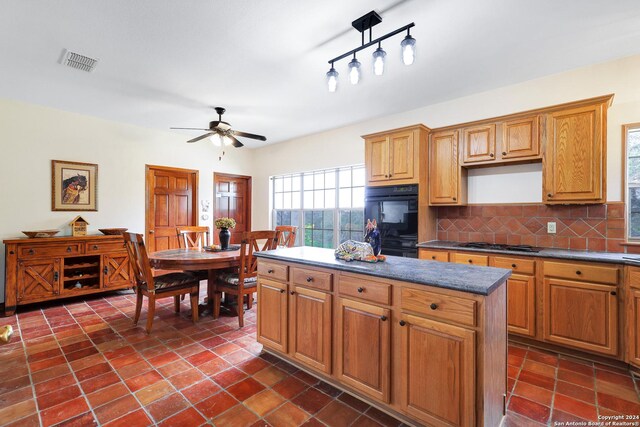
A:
(82, 363)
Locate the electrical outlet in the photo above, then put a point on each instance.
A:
(551, 228)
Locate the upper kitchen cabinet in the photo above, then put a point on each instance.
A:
(520, 138)
(392, 157)
(479, 144)
(447, 181)
(574, 167)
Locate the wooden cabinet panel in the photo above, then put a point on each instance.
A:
(312, 278)
(364, 353)
(574, 162)
(377, 158)
(517, 265)
(311, 328)
(401, 156)
(581, 315)
(470, 259)
(479, 144)
(445, 307)
(34, 251)
(520, 138)
(273, 271)
(633, 319)
(438, 372)
(634, 277)
(93, 247)
(444, 171)
(521, 304)
(273, 315)
(368, 290)
(38, 279)
(116, 270)
(586, 272)
(433, 255)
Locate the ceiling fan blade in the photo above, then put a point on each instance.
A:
(235, 142)
(200, 137)
(190, 128)
(249, 135)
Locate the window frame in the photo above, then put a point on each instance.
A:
(626, 129)
(337, 228)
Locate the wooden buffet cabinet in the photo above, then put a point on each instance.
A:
(587, 306)
(426, 355)
(52, 268)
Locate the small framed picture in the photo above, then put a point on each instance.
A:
(74, 186)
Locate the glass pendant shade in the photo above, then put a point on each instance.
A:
(216, 140)
(378, 61)
(354, 71)
(225, 140)
(332, 79)
(408, 46)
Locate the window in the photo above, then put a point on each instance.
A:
(633, 181)
(327, 206)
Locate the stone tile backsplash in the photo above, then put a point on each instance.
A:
(586, 227)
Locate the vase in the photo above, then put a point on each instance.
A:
(225, 236)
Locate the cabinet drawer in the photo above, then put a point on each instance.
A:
(312, 278)
(634, 277)
(470, 259)
(434, 255)
(522, 266)
(440, 306)
(50, 250)
(588, 273)
(364, 289)
(273, 271)
(93, 247)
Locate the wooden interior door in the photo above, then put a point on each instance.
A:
(172, 201)
(233, 200)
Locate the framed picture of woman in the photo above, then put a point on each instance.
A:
(74, 186)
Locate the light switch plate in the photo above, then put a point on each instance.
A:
(551, 228)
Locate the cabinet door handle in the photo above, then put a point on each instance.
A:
(383, 318)
(390, 175)
(490, 154)
(56, 276)
(514, 266)
(270, 271)
(309, 279)
(470, 261)
(31, 252)
(613, 293)
(68, 248)
(433, 257)
(106, 270)
(402, 323)
(95, 247)
(504, 153)
(282, 291)
(386, 176)
(454, 199)
(360, 290)
(578, 272)
(433, 306)
(549, 195)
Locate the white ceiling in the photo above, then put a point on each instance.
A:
(166, 62)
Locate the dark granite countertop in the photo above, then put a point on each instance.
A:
(458, 277)
(608, 257)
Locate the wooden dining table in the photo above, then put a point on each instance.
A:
(195, 259)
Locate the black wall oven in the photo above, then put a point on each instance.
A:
(395, 208)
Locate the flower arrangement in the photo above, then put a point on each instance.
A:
(225, 223)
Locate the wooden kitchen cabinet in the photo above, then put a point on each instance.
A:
(58, 267)
(364, 348)
(447, 180)
(633, 334)
(311, 328)
(574, 167)
(392, 157)
(479, 144)
(520, 138)
(440, 256)
(521, 294)
(273, 317)
(581, 315)
(438, 364)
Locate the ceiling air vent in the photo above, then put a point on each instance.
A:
(78, 61)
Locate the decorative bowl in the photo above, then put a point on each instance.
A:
(41, 233)
(112, 231)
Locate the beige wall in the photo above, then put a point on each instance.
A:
(32, 136)
(513, 184)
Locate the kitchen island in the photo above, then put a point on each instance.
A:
(424, 341)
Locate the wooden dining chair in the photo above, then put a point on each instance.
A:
(244, 281)
(286, 235)
(193, 237)
(164, 286)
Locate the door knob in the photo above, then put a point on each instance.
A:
(151, 231)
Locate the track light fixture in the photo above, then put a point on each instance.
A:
(366, 22)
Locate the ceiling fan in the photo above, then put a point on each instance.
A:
(225, 135)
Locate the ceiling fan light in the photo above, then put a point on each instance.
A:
(378, 61)
(354, 71)
(332, 80)
(225, 140)
(408, 46)
(216, 140)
